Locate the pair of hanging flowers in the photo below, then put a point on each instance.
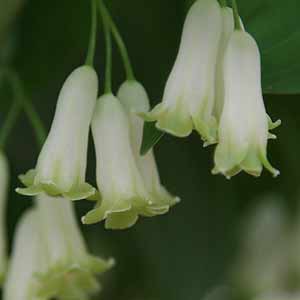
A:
(128, 184)
(215, 88)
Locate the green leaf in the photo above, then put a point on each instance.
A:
(274, 24)
(151, 136)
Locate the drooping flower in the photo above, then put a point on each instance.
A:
(71, 271)
(3, 197)
(244, 124)
(27, 258)
(135, 100)
(188, 99)
(123, 191)
(61, 165)
(50, 259)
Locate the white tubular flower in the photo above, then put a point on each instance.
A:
(188, 99)
(135, 100)
(4, 174)
(61, 166)
(123, 191)
(27, 258)
(244, 125)
(71, 272)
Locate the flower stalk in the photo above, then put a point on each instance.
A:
(236, 15)
(108, 47)
(119, 40)
(93, 35)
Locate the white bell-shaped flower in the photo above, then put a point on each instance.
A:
(188, 99)
(4, 177)
(244, 124)
(124, 195)
(27, 259)
(71, 272)
(49, 259)
(61, 166)
(135, 100)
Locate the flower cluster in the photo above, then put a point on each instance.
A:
(215, 88)
(129, 184)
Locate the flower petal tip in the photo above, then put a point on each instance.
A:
(28, 191)
(83, 191)
(180, 132)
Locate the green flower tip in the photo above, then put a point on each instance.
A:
(120, 217)
(180, 123)
(126, 215)
(78, 192)
(252, 164)
(176, 122)
(273, 125)
(232, 158)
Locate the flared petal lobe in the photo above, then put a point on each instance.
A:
(135, 101)
(188, 99)
(244, 125)
(61, 165)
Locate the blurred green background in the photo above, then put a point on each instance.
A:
(182, 255)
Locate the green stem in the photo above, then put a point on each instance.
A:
(108, 46)
(237, 23)
(93, 35)
(13, 114)
(35, 121)
(223, 3)
(21, 100)
(119, 40)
